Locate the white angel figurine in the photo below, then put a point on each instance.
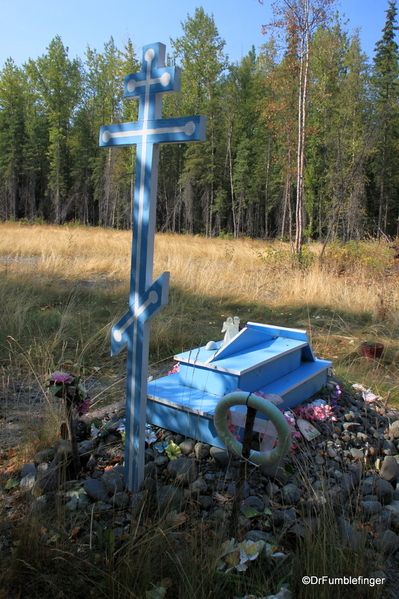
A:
(230, 329)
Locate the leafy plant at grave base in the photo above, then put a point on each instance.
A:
(73, 395)
(239, 555)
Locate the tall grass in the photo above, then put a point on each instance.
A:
(62, 288)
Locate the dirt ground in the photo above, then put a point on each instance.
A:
(25, 404)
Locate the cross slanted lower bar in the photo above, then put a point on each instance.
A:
(146, 298)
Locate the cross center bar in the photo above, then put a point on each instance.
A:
(146, 297)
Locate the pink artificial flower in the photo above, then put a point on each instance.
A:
(233, 430)
(176, 368)
(61, 378)
(310, 412)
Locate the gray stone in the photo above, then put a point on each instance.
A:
(283, 518)
(349, 482)
(48, 481)
(380, 522)
(187, 446)
(389, 448)
(44, 456)
(112, 439)
(43, 504)
(245, 490)
(384, 491)
(120, 500)
(86, 446)
(27, 483)
(219, 514)
(290, 494)
(272, 490)
(369, 508)
(201, 451)
(29, 468)
(42, 467)
(367, 485)
(137, 502)
(356, 471)
(358, 454)
(205, 502)
(38, 505)
(150, 469)
(116, 472)
(389, 469)
(95, 489)
(113, 485)
(349, 535)
(62, 452)
(387, 542)
(113, 427)
(255, 503)
(169, 498)
(161, 462)
(221, 457)
(393, 510)
(79, 502)
(199, 487)
(149, 484)
(310, 507)
(100, 507)
(394, 429)
(182, 470)
(349, 416)
(275, 472)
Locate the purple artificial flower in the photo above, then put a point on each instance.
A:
(83, 407)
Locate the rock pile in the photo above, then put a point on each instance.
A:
(351, 468)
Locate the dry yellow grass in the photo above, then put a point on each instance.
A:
(349, 297)
(246, 270)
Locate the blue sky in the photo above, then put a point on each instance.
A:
(28, 26)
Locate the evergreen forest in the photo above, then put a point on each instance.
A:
(302, 134)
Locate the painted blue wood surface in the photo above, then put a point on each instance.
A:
(262, 358)
(146, 298)
(189, 411)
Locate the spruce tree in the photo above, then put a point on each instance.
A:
(386, 89)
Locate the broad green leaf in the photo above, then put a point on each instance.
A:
(11, 483)
(157, 593)
(250, 512)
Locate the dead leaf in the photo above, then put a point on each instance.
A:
(75, 531)
(174, 520)
(221, 498)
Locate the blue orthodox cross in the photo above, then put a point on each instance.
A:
(146, 298)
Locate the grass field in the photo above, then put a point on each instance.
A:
(62, 288)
